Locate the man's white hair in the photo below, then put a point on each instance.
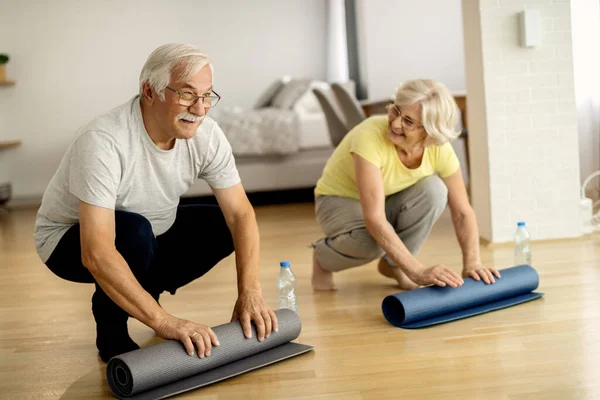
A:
(161, 62)
(439, 110)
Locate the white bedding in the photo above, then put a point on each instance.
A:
(312, 129)
(277, 129)
(270, 131)
(263, 131)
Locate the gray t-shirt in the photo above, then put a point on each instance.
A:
(114, 164)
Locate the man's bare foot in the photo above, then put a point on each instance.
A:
(322, 280)
(404, 281)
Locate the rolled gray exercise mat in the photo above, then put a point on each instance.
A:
(165, 369)
(432, 305)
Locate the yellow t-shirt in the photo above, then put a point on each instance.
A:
(369, 140)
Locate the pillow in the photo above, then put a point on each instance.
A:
(264, 100)
(291, 92)
(308, 102)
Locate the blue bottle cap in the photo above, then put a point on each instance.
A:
(521, 223)
(285, 264)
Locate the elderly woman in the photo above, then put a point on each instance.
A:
(385, 186)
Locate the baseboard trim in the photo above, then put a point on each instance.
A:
(496, 245)
(23, 202)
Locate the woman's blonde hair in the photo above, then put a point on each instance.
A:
(439, 114)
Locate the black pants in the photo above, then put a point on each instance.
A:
(197, 241)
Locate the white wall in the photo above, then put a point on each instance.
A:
(407, 39)
(337, 48)
(75, 59)
(528, 118)
(585, 22)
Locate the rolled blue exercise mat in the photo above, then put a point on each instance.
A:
(432, 305)
(165, 369)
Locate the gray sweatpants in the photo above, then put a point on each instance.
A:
(347, 243)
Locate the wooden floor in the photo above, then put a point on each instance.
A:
(545, 349)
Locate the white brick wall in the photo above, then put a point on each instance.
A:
(527, 123)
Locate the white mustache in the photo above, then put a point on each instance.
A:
(190, 117)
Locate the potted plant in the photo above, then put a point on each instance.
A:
(3, 60)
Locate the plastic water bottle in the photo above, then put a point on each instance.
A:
(286, 283)
(522, 249)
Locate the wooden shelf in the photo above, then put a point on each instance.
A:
(375, 106)
(8, 83)
(7, 144)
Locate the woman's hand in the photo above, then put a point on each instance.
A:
(479, 272)
(439, 275)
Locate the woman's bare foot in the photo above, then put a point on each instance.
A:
(321, 279)
(404, 281)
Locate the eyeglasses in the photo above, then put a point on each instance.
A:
(407, 124)
(188, 99)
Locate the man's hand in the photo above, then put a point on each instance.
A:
(439, 275)
(249, 307)
(478, 272)
(188, 333)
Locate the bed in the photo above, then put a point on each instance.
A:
(281, 143)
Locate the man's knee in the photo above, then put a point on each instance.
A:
(226, 239)
(133, 228)
(134, 239)
(227, 246)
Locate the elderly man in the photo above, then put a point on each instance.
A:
(111, 214)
